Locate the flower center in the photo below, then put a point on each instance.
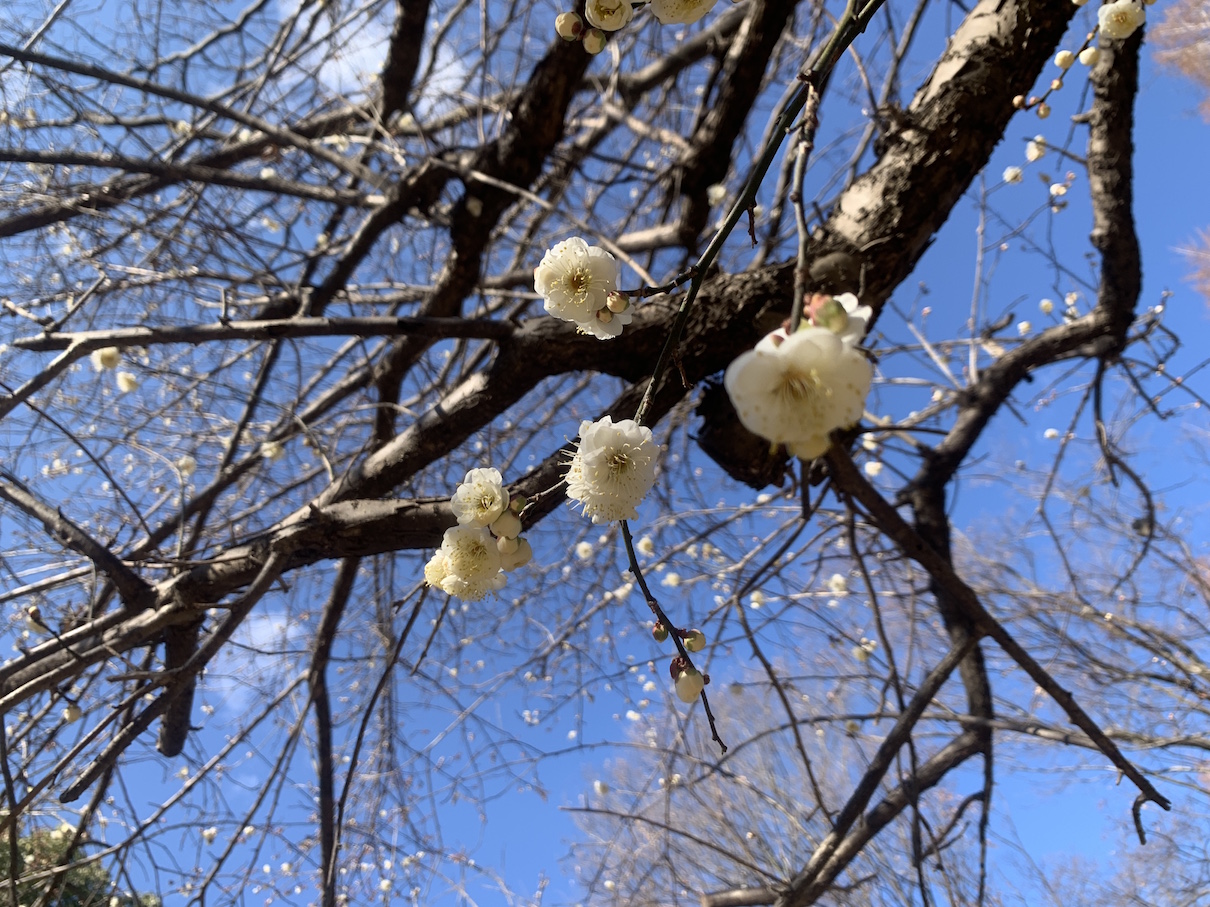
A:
(578, 282)
(619, 463)
(798, 387)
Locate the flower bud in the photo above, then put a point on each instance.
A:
(659, 632)
(506, 545)
(695, 640)
(594, 40)
(1056, 84)
(617, 303)
(689, 684)
(518, 558)
(72, 713)
(1043, 111)
(831, 315)
(569, 26)
(1019, 102)
(1089, 56)
(604, 316)
(517, 504)
(1064, 59)
(506, 526)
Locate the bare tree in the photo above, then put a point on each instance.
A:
(269, 294)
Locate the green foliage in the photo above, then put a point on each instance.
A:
(83, 885)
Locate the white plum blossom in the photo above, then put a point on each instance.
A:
(105, 358)
(1121, 18)
(480, 498)
(681, 12)
(797, 392)
(716, 194)
(1089, 56)
(613, 469)
(272, 450)
(127, 382)
(609, 15)
(1013, 175)
(467, 565)
(187, 466)
(1036, 149)
(575, 279)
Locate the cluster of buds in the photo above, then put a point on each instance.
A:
(572, 28)
(688, 680)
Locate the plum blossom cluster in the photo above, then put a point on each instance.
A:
(486, 544)
(579, 283)
(797, 389)
(611, 15)
(612, 469)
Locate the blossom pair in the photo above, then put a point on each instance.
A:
(796, 389)
(476, 554)
(579, 283)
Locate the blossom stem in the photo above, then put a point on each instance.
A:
(661, 617)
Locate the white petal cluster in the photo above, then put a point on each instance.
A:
(680, 12)
(613, 469)
(1120, 19)
(476, 554)
(608, 15)
(575, 279)
(480, 499)
(796, 390)
(467, 565)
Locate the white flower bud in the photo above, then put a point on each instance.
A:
(506, 526)
(689, 684)
(594, 40)
(569, 26)
(695, 641)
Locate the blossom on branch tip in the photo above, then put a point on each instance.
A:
(608, 15)
(798, 392)
(612, 469)
(1119, 19)
(575, 279)
(480, 498)
(680, 12)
